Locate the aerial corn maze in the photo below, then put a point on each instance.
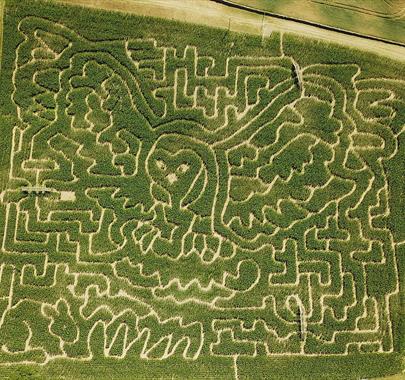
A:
(179, 201)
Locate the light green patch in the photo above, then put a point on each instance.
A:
(376, 18)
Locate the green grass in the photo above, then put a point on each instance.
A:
(237, 202)
(376, 18)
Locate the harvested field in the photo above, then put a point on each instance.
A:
(381, 19)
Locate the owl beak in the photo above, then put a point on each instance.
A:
(172, 178)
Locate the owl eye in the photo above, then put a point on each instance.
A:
(183, 168)
(161, 165)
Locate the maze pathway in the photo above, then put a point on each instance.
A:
(188, 205)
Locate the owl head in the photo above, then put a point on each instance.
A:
(182, 168)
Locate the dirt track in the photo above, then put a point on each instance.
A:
(209, 13)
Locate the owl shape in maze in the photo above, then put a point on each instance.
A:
(192, 204)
